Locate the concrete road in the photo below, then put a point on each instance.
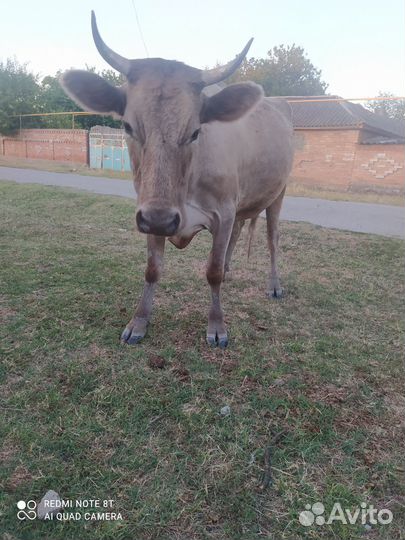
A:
(378, 219)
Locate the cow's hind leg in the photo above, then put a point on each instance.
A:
(216, 331)
(272, 216)
(237, 228)
(137, 326)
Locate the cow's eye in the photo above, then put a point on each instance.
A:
(194, 135)
(128, 129)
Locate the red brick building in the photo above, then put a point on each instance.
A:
(340, 145)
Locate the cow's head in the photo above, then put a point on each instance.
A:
(163, 109)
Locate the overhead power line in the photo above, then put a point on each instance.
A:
(140, 29)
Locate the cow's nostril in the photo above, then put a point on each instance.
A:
(176, 221)
(141, 222)
(173, 225)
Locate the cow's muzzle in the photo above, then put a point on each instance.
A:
(158, 221)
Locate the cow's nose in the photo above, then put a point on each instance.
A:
(160, 222)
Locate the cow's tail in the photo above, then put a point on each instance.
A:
(251, 232)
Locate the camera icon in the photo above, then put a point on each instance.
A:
(26, 510)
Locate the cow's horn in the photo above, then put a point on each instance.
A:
(116, 61)
(212, 76)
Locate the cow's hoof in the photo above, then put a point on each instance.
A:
(134, 339)
(134, 332)
(129, 337)
(217, 341)
(276, 293)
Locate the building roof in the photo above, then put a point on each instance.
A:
(343, 114)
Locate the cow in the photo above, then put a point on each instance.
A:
(199, 162)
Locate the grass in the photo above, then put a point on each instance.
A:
(294, 188)
(368, 195)
(92, 419)
(62, 167)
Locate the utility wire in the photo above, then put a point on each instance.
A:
(140, 29)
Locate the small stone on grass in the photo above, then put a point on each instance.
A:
(46, 504)
(225, 411)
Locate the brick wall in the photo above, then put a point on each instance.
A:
(51, 144)
(334, 159)
(328, 158)
(379, 165)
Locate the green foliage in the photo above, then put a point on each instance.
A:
(389, 108)
(19, 94)
(53, 99)
(23, 93)
(285, 72)
(110, 75)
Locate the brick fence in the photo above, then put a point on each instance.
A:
(51, 144)
(335, 159)
(329, 158)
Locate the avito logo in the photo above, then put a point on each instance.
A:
(363, 513)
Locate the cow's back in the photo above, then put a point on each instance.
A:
(249, 160)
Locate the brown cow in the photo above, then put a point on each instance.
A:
(199, 162)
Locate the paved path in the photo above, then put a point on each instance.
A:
(359, 217)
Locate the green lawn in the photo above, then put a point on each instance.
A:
(316, 376)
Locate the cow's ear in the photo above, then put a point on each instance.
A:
(93, 93)
(231, 103)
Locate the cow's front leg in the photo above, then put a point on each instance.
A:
(137, 326)
(216, 332)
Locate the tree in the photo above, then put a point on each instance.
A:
(285, 72)
(388, 108)
(54, 99)
(110, 75)
(19, 94)
(22, 93)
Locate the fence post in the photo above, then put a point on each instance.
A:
(122, 152)
(88, 148)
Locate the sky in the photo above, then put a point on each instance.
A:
(359, 45)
